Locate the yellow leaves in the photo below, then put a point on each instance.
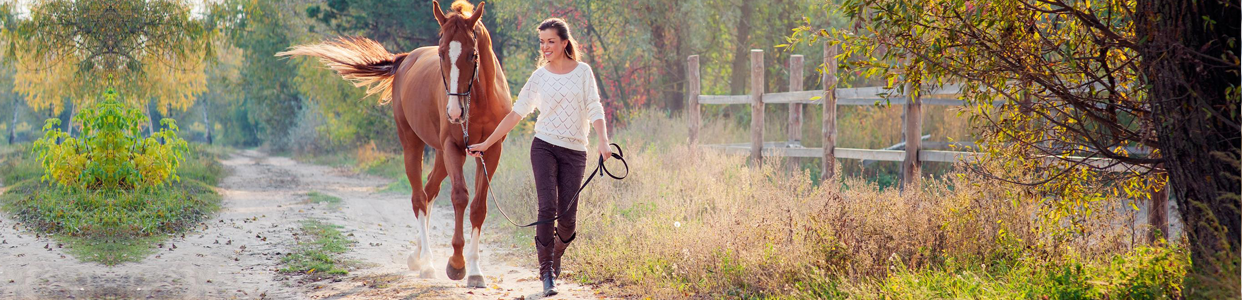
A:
(75, 49)
(174, 83)
(48, 79)
(44, 80)
(110, 152)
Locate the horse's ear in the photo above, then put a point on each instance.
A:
(478, 13)
(439, 13)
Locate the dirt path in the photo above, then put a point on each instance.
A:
(236, 254)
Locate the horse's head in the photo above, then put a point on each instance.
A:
(459, 58)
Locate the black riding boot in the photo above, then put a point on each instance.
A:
(546, 274)
(559, 250)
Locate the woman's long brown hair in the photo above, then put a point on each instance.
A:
(562, 31)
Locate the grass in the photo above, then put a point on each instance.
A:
(317, 197)
(369, 160)
(693, 223)
(112, 227)
(16, 165)
(318, 250)
(400, 185)
(1144, 273)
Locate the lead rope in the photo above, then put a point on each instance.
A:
(600, 169)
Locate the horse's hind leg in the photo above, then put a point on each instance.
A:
(434, 180)
(412, 147)
(478, 214)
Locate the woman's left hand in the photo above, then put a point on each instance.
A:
(605, 150)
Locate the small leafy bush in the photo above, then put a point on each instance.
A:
(111, 152)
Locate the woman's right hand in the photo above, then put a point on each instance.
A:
(503, 128)
(476, 150)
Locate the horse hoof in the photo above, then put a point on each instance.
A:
(411, 261)
(475, 281)
(455, 273)
(427, 273)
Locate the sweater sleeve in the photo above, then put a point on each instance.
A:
(595, 110)
(528, 97)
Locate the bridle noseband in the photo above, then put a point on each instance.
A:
(463, 99)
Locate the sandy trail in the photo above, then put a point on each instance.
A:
(236, 254)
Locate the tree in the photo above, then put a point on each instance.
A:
(1150, 86)
(400, 25)
(259, 30)
(637, 48)
(1189, 52)
(146, 49)
(741, 51)
(13, 124)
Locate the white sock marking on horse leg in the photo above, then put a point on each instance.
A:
(472, 254)
(420, 259)
(454, 52)
(427, 220)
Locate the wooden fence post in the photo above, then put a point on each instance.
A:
(756, 106)
(829, 99)
(910, 167)
(1158, 214)
(795, 109)
(693, 112)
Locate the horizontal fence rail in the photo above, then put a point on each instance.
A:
(920, 151)
(910, 153)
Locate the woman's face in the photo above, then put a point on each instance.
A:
(551, 45)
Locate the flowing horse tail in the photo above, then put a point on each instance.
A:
(361, 60)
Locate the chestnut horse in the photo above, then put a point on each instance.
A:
(461, 74)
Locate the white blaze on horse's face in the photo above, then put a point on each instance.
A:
(454, 106)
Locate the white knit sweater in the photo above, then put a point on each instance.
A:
(567, 104)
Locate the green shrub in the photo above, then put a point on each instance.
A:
(116, 223)
(111, 152)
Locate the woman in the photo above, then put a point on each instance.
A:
(563, 90)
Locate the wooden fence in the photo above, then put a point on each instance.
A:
(911, 157)
(830, 97)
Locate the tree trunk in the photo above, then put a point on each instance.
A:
(1190, 66)
(150, 120)
(591, 53)
(206, 120)
(69, 123)
(668, 41)
(741, 54)
(13, 124)
(659, 40)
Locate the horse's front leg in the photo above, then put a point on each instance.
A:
(454, 157)
(478, 214)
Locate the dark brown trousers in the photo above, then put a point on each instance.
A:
(558, 173)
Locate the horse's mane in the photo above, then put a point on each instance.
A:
(461, 7)
(457, 15)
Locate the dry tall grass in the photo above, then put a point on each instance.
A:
(696, 223)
